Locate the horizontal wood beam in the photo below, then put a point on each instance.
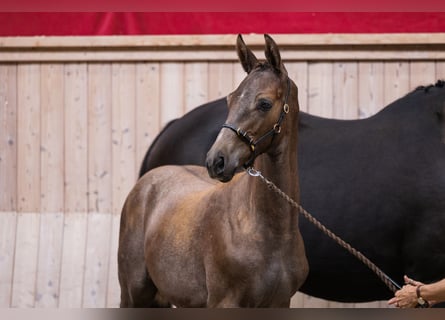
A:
(327, 47)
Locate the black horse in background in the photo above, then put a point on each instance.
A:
(379, 183)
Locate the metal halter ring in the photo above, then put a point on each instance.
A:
(286, 108)
(254, 173)
(277, 128)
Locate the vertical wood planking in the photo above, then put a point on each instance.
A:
(220, 79)
(52, 138)
(297, 300)
(396, 81)
(370, 88)
(52, 185)
(148, 105)
(99, 185)
(320, 89)
(95, 283)
(172, 91)
(8, 179)
(8, 221)
(313, 302)
(238, 75)
(28, 185)
(196, 84)
(25, 260)
(76, 143)
(345, 90)
(8, 137)
(49, 260)
(73, 260)
(421, 73)
(113, 288)
(99, 138)
(76, 186)
(28, 138)
(124, 162)
(298, 72)
(123, 132)
(440, 70)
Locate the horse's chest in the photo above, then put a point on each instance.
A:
(260, 278)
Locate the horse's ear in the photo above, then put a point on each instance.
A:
(246, 56)
(273, 54)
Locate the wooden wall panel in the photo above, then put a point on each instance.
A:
(28, 138)
(345, 90)
(49, 260)
(148, 107)
(99, 138)
(298, 72)
(97, 257)
(196, 84)
(396, 80)
(52, 138)
(8, 179)
(371, 88)
(113, 290)
(221, 78)
(172, 91)
(320, 95)
(440, 70)
(73, 135)
(73, 260)
(23, 293)
(123, 132)
(76, 135)
(421, 72)
(8, 224)
(8, 137)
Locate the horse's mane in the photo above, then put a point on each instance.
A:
(438, 84)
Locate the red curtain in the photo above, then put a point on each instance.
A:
(155, 23)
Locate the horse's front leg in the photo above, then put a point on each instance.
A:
(223, 299)
(225, 303)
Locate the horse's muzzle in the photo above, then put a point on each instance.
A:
(217, 168)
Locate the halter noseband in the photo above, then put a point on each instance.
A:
(244, 136)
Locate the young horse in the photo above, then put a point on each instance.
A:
(191, 241)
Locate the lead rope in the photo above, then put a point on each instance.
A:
(391, 284)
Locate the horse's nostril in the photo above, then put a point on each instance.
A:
(219, 166)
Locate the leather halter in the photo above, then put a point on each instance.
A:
(246, 138)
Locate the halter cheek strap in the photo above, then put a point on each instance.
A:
(244, 136)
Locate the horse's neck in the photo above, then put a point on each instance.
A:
(282, 170)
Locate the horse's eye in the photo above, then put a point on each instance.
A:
(264, 105)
